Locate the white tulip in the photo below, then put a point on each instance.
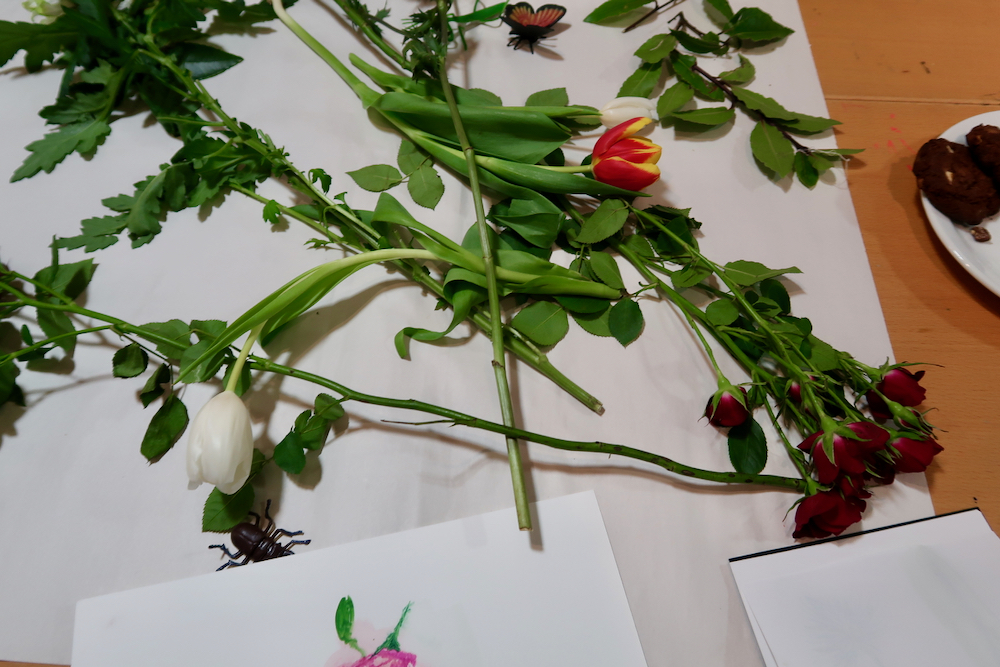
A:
(44, 10)
(220, 444)
(621, 109)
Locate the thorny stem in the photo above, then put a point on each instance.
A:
(595, 447)
(493, 295)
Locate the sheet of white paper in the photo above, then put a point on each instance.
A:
(481, 594)
(70, 469)
(923, 594)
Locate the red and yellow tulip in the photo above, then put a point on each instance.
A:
(624, 160)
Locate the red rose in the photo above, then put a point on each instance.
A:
(849, 454)
(914, 454)
(728, 409)
(899, 385)
(826, 513)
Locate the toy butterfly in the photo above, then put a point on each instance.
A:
(527, 25)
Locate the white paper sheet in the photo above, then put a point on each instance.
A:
(480, 594)
(70, 468)
(924, 594)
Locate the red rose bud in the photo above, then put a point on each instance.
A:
(914, 454)
(877, 406)
(902, 386)
(827, 513)
(849, 454)
(724, 409)
(625, 161)
(795, 392)
(853, 486)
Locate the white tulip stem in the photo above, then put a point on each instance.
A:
(234, 375)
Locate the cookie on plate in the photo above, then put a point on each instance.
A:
(954, 183)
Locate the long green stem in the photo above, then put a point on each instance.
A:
(596, 447)
(364, 24)
(237, 368)
(493, 293)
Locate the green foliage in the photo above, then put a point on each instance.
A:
(672, 99)
(722, 312)
(222, 512)
(204, 61)
(164, 428)
(656, 48)
(747, 273)
(289, 454)
(742, 74)
(707, 118)
(642, 81)
(543, 322)
(612, 9)
(377, 177)
(595, 323)
(608, 219)
(554, 97)
(46, 153)
(129, 361)
(153, 388)
(9, 391)
(606, 269)
(425, 186)
(625, 321)
(772, 149)
(748, 447)
(755, 25)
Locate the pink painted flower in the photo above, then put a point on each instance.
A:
(387, 658)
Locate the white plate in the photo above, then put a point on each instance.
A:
(982, 260)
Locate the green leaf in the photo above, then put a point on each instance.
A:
(805, 170)
(312, 429)
(554, 97)
(772, 149)
(690, 276)
(176, 331)
(196, 369)
(327, 407)
(642, 81)
(68, 279)
(606, 269)
(410, 157)
(823, 356)
(625, 321)
(612, 9)
(803, 124)
(747, 273)
(709, 117)
(53, 148)
(543, 322)
(222, 512)
(153, 388)
(129, 361)
(776, 292)
(721, 6)
(425, 186)
(639, 245)
(583, 305)
(656, 48)
(748, 447)
(320, 176)
(482, 15)
(706, 43)
(377, 177)
(9, 391)
(765, 105)
(756, 25)
(673, 98)
(595, 323)
(607, 220)
(683, 65)
(742, 74)
(288, 454)
(40, 42)
(56, 323)
(164, 428)
(271, 212)
(204, 61)
(722, 312)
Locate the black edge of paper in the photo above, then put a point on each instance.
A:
(847, 537)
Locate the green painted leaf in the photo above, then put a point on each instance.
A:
(657, 48)
(129, 361)
(554, 97)
(673, 98)
(327, 407)
(204, 61)
(607, 220)
(722, 312)
(756, 25)
(709, 117)
(625, 321)
(53, 148)
(164, 428)
(425, 186)
(642, 81)
(377, 177)
(772, 149)
(153, 388)
(288, 454)
(742, 74)
(747, 273)
(806, 170)
(543, 322)
(410, 157)
(595, 323)
(748, 447)
(612, 9)
(606, 269)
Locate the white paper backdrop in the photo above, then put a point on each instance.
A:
(86, 515)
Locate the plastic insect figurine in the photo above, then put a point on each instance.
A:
(256, 544)
(527, 25)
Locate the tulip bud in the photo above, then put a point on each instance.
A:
(625, 161)
(725, 409)
(621, 109)
(220, 444)
(45, 10)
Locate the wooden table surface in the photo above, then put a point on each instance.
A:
(897, 73)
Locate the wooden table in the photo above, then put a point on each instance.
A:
(897, 73)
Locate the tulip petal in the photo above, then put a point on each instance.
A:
(624, 174)
(619, 132)
(633, 149)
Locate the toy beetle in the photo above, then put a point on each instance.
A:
(256, 544)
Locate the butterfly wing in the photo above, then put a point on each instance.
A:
(547, 16)
(518, 15)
